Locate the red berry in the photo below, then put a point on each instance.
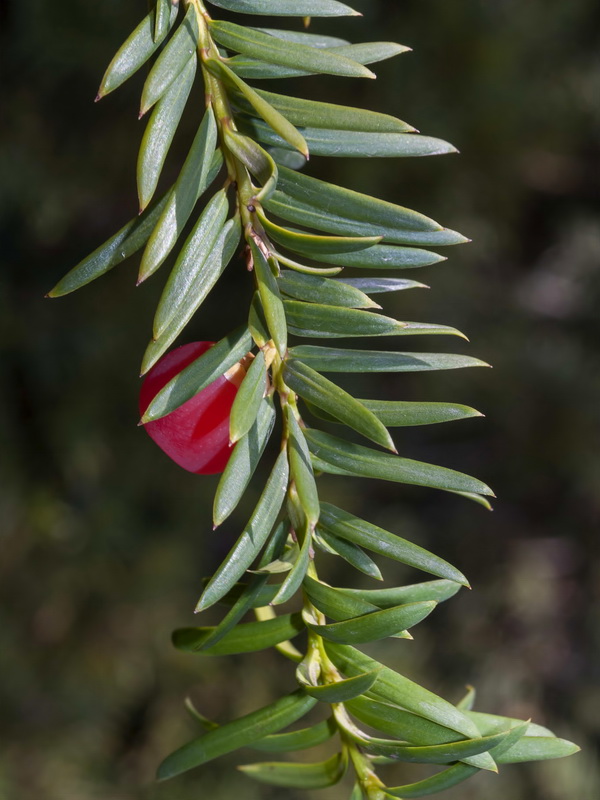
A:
(195, 435)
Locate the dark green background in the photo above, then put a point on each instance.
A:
(104, 541)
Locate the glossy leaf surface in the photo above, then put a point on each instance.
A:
(382, 285)
(272, 117)
(160, 131)
(357, 144)
(162, 13)
(310, 319)
(315, 289)
(409, 727)
(127, 241)
(192, 257)
(436, 753)
(404, 725)
(168, 66)
(413, 593)
(248, 398)
(185, 304)
(333, 359)
(336, 603)
(376, 539)
(305, 213)
(135, 51)
(268, 48)
(312, 386)
(312, 38)
(199, 170)
(301, 111)
(239, 733)
(395, 688)
(386, 256)
(364, 53)
(374, 625)
(287, 8)
(253, 537)
(384, 217)
(367, 463)
(397, 413)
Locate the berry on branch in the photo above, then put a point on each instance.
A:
(195, 435)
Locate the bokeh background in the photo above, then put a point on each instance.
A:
(104, 541)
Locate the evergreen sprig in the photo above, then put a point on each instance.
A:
(246, 155)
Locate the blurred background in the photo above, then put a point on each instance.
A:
(105, 541)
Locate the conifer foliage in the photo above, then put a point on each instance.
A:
(243, 193)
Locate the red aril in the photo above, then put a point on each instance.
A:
(195, 435)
